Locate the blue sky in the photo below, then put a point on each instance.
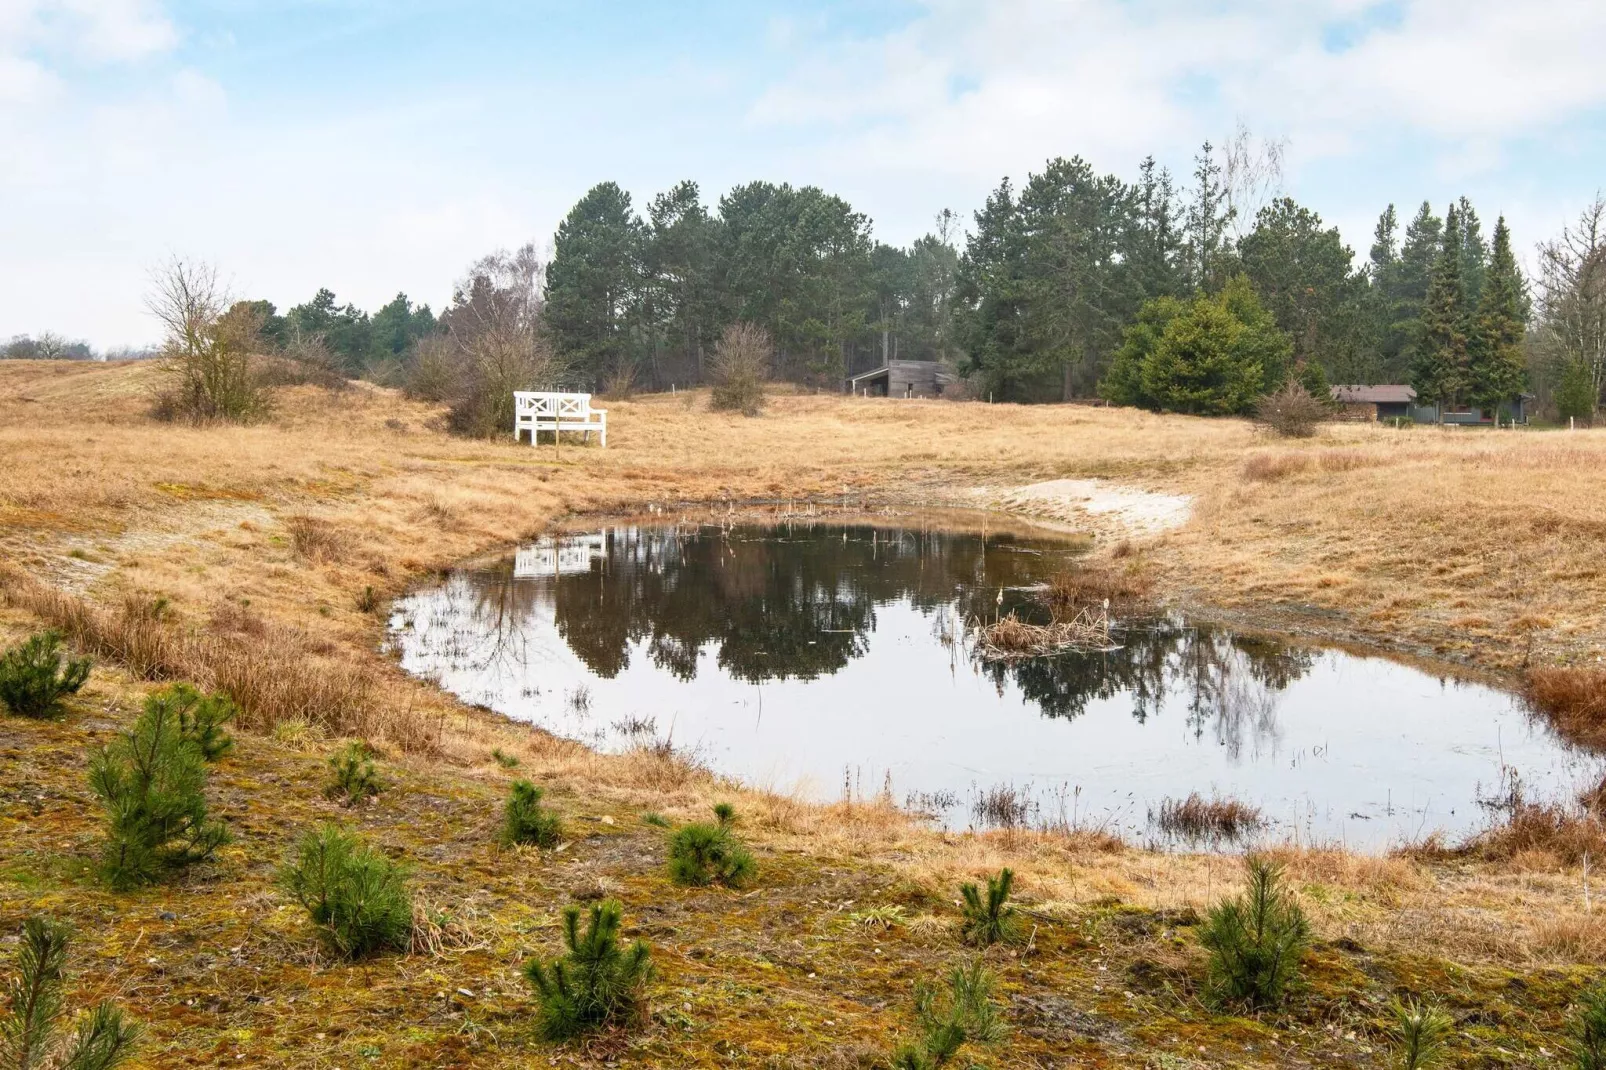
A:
(374, 146)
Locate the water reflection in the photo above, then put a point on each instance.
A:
(796, 652)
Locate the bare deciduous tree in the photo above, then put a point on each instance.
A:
(1572, 296)
(206, 354)
(493, 345)
(1251, 174)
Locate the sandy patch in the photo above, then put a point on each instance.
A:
(1106, 508)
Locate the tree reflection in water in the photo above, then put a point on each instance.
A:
(797, 602)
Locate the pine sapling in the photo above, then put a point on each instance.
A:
(702, 854)
(200, 717)
(525, 820)
(1256, 941)
(1588, 1039)
(948, 1020)
(597, 983)
(351, 774)
(991, 920)
(151, 782)
(35, 676)
(103, 1038)
(1421, 1031)
(357, 896)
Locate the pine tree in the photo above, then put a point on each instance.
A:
(1440, 360)
(1496, 368)
(1207, 220)
(1474, 252)
(1418, 253)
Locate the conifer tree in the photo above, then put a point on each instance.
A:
(1418, 254)
(1440, 361)
(1474, 252)
(1496, 368)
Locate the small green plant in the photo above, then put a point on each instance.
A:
(701, 853)
(991, 920)
(1587, 1042)
(351, 774)
(33, 678)
(200, 717)
(525, 820)
(504, 759)
(948, 1020)
(1255, 941)
(657, 820)
(1421, 1031)
(28, 1033)
(152, 784)
(357, 896)
(880, 917)
(597, 983)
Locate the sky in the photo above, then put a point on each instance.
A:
(377, 147)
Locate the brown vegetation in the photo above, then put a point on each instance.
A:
(1197, 819)
(1574, 698)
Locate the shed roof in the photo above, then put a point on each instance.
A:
(941, 370)
(1388, 394)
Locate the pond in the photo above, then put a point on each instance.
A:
(833, 658)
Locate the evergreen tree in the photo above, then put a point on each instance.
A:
(1419, 251)
(1217, 357)
(593, 284)
(1497, 371)
(1439, 366)
(1208, 218)
(1384, 271)
(1474, 252)
(1304, 274)
(682, 241)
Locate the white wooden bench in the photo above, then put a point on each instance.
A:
(535, 412)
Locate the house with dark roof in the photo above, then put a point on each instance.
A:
(1396, 401)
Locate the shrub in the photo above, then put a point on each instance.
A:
(357, 896)
(1291, 411)
(200, 717)
(1575, 393)
(1588, 1039)
(351, 774)
(739, 367)
(1255, 941)
(597, 983)
(103, 1039)
(151, 781)
(701, 853)
(206, 357)
(525, 820)
(33, 678)
(987, 922)
(948, 1021)
(504, 759)
(1420, 1033)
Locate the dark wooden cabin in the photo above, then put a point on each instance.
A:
(903, 379)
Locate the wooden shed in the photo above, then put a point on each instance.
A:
(903, 379)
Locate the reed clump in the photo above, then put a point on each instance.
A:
(1009, 638)
(1573, 698)
(1197, 818)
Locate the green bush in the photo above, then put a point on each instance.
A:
(152, 784)
(200, 717)
(701, 854)
(103, 1038)
(1420, 1034)
(949, 1020)
(33, 679)
(524, 820)
(597, 983)
(991, 920)
(351, 774)
(504, 759)
(357, 896)
(1575, 394)
(1255, 941)
(1588, 1040)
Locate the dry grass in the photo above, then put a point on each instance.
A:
(1384, 535)
(1008, 637)
(1091, 586)
(1574, 698)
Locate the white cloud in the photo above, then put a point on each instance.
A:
(92, 31)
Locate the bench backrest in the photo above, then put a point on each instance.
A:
(549, 404)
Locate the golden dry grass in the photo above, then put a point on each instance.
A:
(239, 557)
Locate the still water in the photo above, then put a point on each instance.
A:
(829, 659)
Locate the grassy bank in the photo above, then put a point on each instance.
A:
(259, 559)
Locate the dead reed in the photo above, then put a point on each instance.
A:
(1008, 637)
(1076, 589)
(1197, 819)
